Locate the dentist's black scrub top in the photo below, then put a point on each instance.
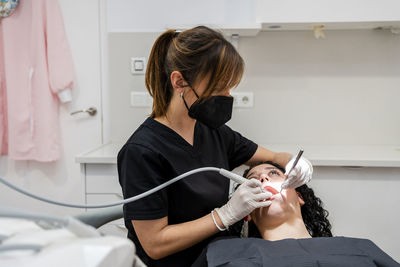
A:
(155, 154)
(308, 252)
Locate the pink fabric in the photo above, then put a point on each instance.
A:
(35, 64)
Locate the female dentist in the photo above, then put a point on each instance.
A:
(189, 75)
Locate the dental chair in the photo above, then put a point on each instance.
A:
(31, 239)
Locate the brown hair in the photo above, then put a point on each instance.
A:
(195, 53)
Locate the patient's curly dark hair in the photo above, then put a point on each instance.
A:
(315, 217)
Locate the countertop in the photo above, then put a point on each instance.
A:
(319, 155)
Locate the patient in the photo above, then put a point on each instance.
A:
(292, 231)
(293, 213)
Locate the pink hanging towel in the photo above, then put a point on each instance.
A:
(36, 73)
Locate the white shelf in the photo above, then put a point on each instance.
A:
(319, 155)
(345, 155)
(333, 25)
(254, 29)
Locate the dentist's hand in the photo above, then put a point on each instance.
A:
(245, 199)
(301, 174)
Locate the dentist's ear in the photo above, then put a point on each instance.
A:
(177, 81)
(301, 200)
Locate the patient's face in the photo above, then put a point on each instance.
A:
(283, 203)
(270, 177)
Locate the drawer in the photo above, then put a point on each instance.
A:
(102, 178)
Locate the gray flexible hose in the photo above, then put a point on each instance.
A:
(230, 175)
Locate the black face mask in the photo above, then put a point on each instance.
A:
(213, 112)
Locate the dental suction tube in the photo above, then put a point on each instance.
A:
(234, 177)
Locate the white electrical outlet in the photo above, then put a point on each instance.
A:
(243, 99)
(141, 99)
(138, 65)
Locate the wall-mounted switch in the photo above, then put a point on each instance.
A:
(138, 65)
(141, 99)
(243, 99)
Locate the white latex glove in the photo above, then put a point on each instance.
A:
(244, 200)
(301, 174)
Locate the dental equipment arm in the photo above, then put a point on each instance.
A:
(228, 174)
(233, 176)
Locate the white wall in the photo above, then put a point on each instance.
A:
(341, 90)
(62, 180)
(361, 203)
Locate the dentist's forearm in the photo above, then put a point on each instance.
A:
(263, 154)
(282, 158)
(159, 239)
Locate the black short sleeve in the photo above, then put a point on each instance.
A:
(240, 149)
(139, 170)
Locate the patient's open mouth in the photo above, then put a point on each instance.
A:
(271, 189)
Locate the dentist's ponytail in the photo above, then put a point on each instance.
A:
(157, 79)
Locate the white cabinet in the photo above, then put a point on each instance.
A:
(326, 11)
(99, 171)
(247, 18)
(102, 179)
(150, 16)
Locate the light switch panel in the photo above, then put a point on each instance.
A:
(138, 65)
